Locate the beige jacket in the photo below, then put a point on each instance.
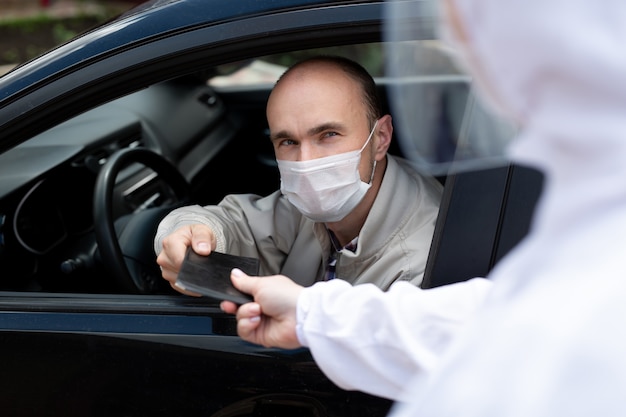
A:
(393, 244)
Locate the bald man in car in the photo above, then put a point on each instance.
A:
(346, 208)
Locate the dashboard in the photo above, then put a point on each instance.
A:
(47, 239)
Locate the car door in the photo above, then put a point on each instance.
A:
(71, 355)
(100, 354)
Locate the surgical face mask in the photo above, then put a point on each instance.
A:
(325, 189)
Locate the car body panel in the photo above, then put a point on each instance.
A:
(83, 356)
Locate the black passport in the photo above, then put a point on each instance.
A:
(210, 275)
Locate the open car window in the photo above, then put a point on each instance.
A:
(200, 123)
(266, 69)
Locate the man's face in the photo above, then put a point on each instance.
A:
(318, 112)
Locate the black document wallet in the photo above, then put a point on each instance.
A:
(210, 275)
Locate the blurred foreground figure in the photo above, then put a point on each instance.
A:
(548, 339)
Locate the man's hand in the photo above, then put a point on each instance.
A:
(270, 320)
(199, 236)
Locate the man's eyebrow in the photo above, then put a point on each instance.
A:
(325, 127)
(283, 134)
(316, 130)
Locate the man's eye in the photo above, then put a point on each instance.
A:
(330, 134)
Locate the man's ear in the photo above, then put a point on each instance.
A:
(385, 133)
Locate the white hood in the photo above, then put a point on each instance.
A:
(560, 68)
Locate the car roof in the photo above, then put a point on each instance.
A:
(136, 47)
(149, 20)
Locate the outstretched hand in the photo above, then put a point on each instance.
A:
(199, 236)
(270, 320)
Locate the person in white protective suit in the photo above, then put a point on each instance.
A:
(547, 337)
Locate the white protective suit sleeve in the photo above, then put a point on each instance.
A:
(373, 341)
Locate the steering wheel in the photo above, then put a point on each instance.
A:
(125, 244)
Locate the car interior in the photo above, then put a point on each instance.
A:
(70, 215)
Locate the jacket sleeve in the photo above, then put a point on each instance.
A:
(373, 341)
(243, 224)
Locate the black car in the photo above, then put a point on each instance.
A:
(161, 107)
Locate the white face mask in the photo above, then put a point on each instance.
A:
(325, 189)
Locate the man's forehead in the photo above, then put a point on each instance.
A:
(318, 76)
(316, 90)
